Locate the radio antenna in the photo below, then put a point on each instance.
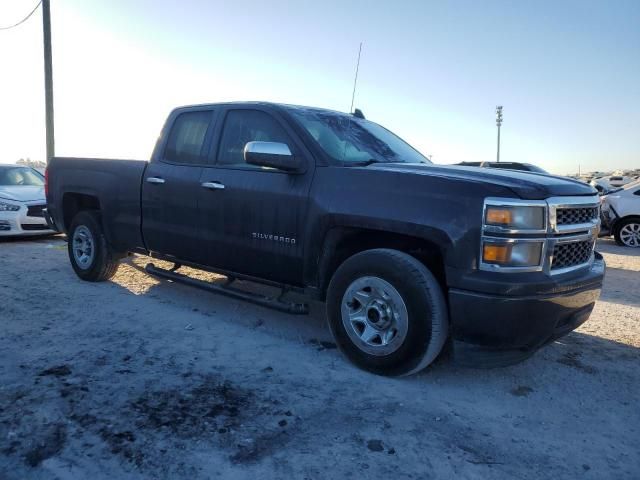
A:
(355, 81)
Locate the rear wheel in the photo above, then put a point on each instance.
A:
(387, 312)
(89, 253)
(627, 233)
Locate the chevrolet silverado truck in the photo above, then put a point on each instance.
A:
(408, 256)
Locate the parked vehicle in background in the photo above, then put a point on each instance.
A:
(524, 167)
(22, 200)
(621, 215)
(407, 255)
(602, 185)
(608, 183)
(617, 180)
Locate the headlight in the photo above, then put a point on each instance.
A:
(513, 217)
(8, 207)
(512, 254)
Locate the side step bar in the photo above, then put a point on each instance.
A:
(268, 302)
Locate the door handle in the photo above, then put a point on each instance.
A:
(213, 185)
(155, 180)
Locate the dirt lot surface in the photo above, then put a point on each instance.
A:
(141, 378)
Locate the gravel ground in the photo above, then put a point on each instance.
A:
(139, 378)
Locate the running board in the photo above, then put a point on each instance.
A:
(257, 299)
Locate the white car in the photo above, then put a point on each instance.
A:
(602, 185)
(22, 201)
(621, 214)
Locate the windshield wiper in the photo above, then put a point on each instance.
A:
(365, 163)
(362, 163)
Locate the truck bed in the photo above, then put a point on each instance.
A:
(113, 183)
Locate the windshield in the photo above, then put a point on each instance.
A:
(15, 176)
(353, 140)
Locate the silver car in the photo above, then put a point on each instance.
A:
(22, 201)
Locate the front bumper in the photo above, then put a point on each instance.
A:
(49, 219)
(496, 330)
(22, 222)
(608, 219)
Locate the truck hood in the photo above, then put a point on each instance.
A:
(526, 185)
(22, 193)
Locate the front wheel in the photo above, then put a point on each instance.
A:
(387, 312)
(90, 256)
(628, 233)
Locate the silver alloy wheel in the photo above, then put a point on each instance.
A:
(630, 234)
(374, 316)
(83, 247)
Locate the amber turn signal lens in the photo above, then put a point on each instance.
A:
(499, 216)
(496, 253)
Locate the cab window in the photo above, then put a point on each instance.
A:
(186, 143)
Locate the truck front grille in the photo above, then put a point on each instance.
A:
(567, 240)
(571, 254)
(576, 215)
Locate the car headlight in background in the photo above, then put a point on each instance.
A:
(8, 207)
(512, 254)
(514, 217)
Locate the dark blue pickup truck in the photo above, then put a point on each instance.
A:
(409, 257)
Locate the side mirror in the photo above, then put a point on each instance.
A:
(272, 155)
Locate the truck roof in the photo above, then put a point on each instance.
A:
(286, 106)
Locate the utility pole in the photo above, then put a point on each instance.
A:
(48, 79)
(498, 123)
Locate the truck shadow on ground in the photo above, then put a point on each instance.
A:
(619, 283)
(126, 381)
(313, 331)
(311, 328)
(576, 362)
(578, 351)
(609, 245)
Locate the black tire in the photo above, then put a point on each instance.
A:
(428, 323)
(103, 264)
(620, 225)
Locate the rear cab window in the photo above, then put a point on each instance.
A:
(187, 142)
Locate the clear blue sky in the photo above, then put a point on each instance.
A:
(567, 72)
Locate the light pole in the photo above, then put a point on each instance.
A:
(48, 79)
(498, 123)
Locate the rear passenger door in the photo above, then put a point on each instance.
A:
(171, 183)
(252, 221)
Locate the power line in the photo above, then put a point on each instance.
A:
(24, 19)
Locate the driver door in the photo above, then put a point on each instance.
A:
(252, 222)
